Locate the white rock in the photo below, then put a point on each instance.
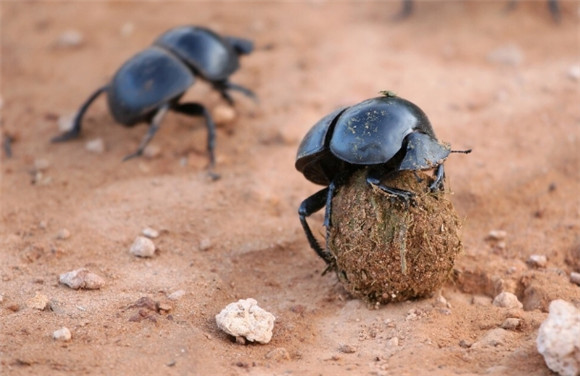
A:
(70, 38)
(497, 235)
(150, 233)
(574, 72)
(204, 244)
(539, 261)
(95, 146)
(575, 278)
(142, 247)
(63, 234)
(62, 334)
(559, 338)
(507, 300)
(82, 279)
(223, 114)
(127, 29)
(65, 122)
(246, 319)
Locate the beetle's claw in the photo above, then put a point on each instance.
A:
(68, 135)
(136, 154)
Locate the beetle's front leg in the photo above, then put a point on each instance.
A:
(374, 178)
(437, 185)
(309, 206)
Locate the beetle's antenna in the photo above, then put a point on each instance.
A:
(462, 151)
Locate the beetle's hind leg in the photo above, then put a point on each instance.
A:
(153, 128)
(77, 120)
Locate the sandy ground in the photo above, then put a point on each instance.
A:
(503, 83)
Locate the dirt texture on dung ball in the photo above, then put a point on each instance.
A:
(388, 251)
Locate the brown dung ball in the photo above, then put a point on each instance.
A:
(387, 251)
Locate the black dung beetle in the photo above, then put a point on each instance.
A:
(153, 81)
(553, 6)
(385, 134)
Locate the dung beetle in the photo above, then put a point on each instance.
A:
(153, 81)
(386, 134)
(553, 6)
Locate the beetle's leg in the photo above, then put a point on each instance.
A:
(437, 185)
(224, 86)
(7, 145)
(554, 7)
(309, 206)
(153, 128)
(76, 127)
(374, 178)
(196, 109)
(406, 10)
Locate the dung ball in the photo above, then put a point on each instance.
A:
(387, 250)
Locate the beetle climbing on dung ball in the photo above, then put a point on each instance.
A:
(371, 157)
(153, 81)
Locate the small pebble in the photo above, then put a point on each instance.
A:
(575, 278)
(62, 334)
(511, 323)
(152, 151)
(279, 353)
(142, 247)
(538, 261)
(39, 302)
(507, 300)
(393, 342)
(497, 235)
(574, 72)
(347, 349)
(127, 29)
(223, 114)
(63, 234)
(150, 233)
(41, 164)
(204, 244)
(65, 122)
(82, 279)
(70, 38)
(95, 146)
(176, 295)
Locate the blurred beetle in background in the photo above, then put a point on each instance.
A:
(408, 7)
(152, 82)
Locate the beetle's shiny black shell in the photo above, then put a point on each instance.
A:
(369, 133)
(206, 52)
(144, 83)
